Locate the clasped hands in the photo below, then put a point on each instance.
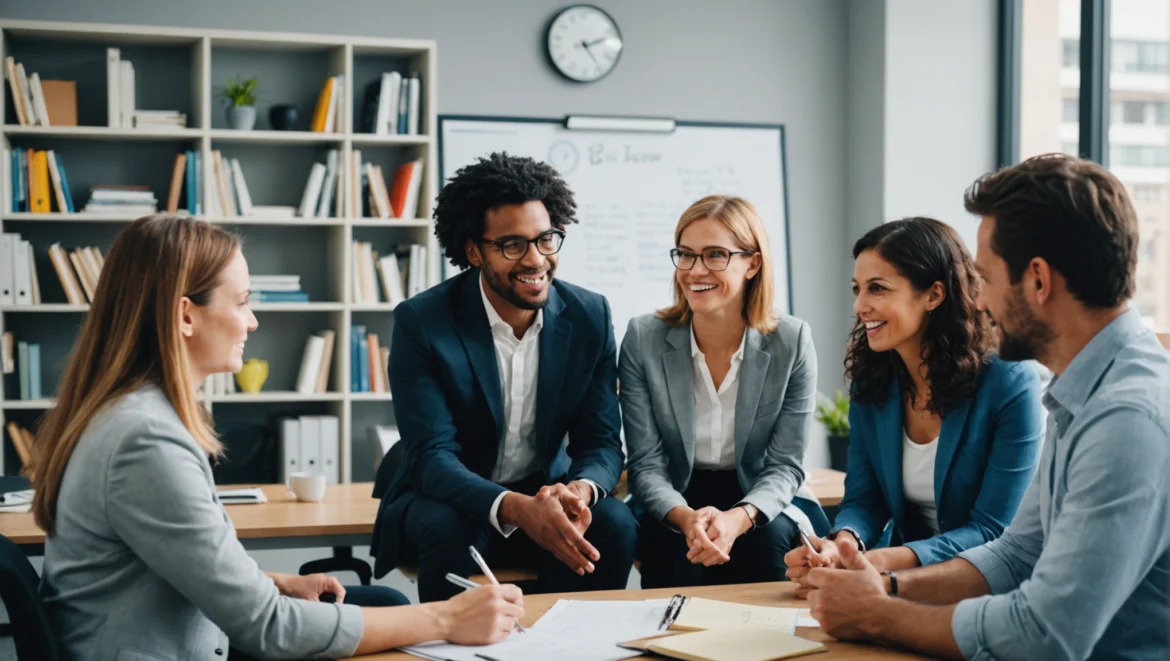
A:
(309, 588)
(710, 532)
(556, 518)
(841, 584)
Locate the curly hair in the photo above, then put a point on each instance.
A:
(958, 341)
(490, 183)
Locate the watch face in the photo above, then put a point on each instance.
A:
(584, 43)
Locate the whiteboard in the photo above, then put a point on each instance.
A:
(631, 188)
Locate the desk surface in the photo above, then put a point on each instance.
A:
(348, 509)
(765, 594)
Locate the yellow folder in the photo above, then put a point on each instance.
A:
(38, 182)
(728, 644)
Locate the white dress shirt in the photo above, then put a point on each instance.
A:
(518, 361)
(715, 411)
(918, 480)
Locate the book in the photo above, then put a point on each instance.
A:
(241, 496)
(310, 364)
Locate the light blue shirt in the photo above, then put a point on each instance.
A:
(1083, 572)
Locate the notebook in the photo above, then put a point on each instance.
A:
(728, 644)
(241, 496)
(696, 614)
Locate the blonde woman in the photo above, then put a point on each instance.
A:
(141, 560)
(717, 395)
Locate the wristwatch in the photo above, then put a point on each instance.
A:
(752, 512)
(893, 582)
(860, 544)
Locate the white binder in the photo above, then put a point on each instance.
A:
(311, 444)
(8, 268)
(330, 446)
(290, 448)
(22, 273)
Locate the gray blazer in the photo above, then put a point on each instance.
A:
(145, 564)
(773, 412)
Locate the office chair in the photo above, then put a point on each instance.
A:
(18, 590)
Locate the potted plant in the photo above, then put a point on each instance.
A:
(240, 95)
(833, 413)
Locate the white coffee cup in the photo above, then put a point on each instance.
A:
(308, 487)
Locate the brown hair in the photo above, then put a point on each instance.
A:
(957, 341)
(1070, 212)
(131, 337)
(741, 217)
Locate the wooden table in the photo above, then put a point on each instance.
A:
(344, 518)
(827, 485)
(766, 594)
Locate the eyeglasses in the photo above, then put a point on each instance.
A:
(715, 259)
(516, 247)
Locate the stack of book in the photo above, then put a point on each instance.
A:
(19, 284)
(327, 116)
(313, 376)
(391, 105)
(402, 273)
(277, 289)
(128, 200)
(22, 442)
(221, 383)
(78, 271)
(28, 366)
(368, 362)
(323, 197)
(400, 200)
(120, 99)
(31, 174)
(28, 95)
(159, 119)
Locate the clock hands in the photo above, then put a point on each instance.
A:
(590, 52)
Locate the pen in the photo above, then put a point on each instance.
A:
(465, 583)
(491, 577)
(808, 543)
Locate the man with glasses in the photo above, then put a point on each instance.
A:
(490, 372)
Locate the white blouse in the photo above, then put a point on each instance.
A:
(918, 479)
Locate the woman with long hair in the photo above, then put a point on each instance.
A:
(717, 395)
(141, 560)
(944, 436)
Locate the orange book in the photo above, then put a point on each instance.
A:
(38, 182)
(400, 188)
(324, 100)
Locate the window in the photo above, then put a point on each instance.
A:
(1146, 193)
(1072, 54)
(1135, 123)
(1140, 56)
(1133, 112)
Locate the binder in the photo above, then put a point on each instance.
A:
(22, 273)
(38, 186)
(330, 448)
(311, 444)
(290, 448)
(8, 268)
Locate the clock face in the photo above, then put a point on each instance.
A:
(584, 43)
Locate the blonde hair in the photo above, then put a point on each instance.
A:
(741, 218)
(131, 337)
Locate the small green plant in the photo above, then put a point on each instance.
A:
(833, 413)
(240, 92)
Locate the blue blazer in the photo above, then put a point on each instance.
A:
(987, 453)
(450, 411)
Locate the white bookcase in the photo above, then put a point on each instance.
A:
(182, 69)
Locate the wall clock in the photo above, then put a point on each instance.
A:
(584, 43)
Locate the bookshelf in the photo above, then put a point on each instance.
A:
(178, 68)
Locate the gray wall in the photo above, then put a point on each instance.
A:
(748, 60)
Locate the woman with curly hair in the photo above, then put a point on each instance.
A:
(944, 435)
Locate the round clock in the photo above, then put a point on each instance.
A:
(584, 43)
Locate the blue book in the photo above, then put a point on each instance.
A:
(34, 371)
(65, 184)
(355, 381)
(20, 172)
(22, 365)
(364, 360)
(14, 177)
(280, 297)
(190, 183)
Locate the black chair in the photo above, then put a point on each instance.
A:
(18, 590)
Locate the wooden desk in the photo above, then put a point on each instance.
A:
(344, 518)
(766, 594)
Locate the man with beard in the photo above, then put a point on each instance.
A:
(1083, 572)
(490, 371)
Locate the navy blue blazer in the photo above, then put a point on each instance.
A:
(987, 453)
(450, 409)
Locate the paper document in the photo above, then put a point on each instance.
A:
(16, 497)
(609, 622)
(805, 619)
(533, 645)
(700, 614)
(17, 508)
